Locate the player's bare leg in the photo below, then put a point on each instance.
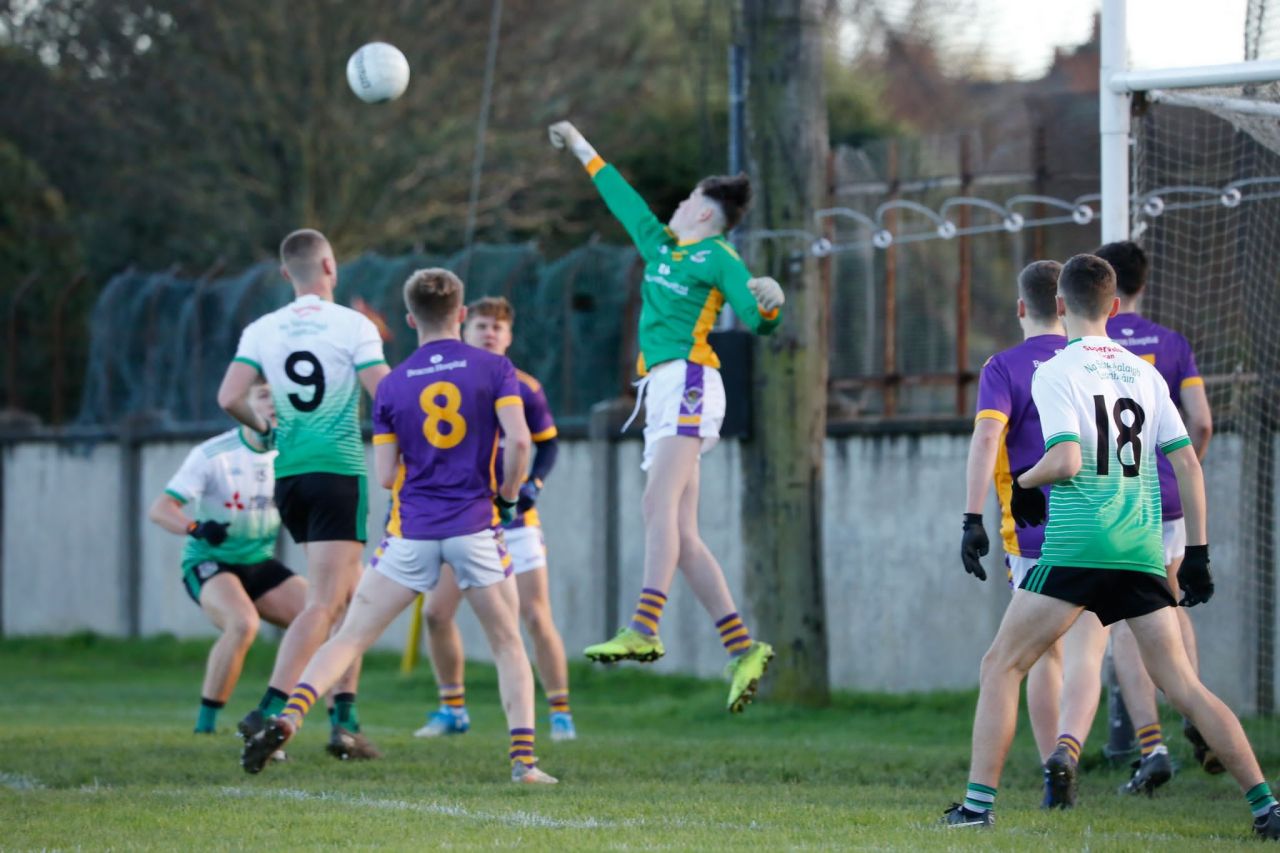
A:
(1083, 647)
(377, 601)
(333, 571)
(1159, 639)
(674, 462)
(229, 608)
(548, 648)
(280, 606)
(498, 609)
(444, 641)
(748, 659)
(1030, 625)
(1044, 694)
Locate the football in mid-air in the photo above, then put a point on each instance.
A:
(378, 72)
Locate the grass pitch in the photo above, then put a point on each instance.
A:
(96, 752)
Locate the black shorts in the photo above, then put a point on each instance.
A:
(322, 507)
(258, 579)
(1113, 594)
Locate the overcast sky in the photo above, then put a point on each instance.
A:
(1021, 34)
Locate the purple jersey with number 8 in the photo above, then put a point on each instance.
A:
(440, 406)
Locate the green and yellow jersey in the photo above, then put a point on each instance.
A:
(685, 284)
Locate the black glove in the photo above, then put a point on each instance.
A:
(974, 544)
(506, 509)
(1027, 505)
(528, 495)
(213, 532)
(1194, 577)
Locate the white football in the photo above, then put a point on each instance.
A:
(378, 72)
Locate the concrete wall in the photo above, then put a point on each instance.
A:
(902, 615)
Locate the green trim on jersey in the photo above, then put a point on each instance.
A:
(247, 446)
(1176, 444)
(177, 497)
(367, 364)
(1060, 437)
(248, 361)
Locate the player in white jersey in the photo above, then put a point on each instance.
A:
(316, 355)
(222, 500)
(1104, 412)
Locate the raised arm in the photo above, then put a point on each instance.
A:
(645, 229)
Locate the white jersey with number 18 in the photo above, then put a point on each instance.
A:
(310, 351)
(1117, 407)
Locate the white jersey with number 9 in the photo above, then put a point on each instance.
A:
(310, 351)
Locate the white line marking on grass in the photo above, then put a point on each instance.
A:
(19, 782)
(519, 819)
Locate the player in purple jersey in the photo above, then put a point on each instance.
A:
(488, 326)
(1006, 442)
(1170, 354)
(436, 421)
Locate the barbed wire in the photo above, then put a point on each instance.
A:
(1081, 210)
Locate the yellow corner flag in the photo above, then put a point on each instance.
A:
(409, 659)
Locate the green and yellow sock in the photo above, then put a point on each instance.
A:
(559, 702)
(979, 799)
(207, 721)
(453, 697)
(273, 702)
(649, 612)
(1150, 737)
(1071, 745)
(304, 696)
(1260, 799)
(343, 712)
(734, 635)
(522, 747)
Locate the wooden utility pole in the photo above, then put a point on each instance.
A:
(787, 146)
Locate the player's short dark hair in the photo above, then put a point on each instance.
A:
(1038, 287)
(732, 193)
(494, 307)
(1130, 263)
(432, 296)
(301, 251)
(1087, 284)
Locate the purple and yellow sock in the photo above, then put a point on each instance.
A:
(1260, 799)
(522, 747)
(1150, 737)
(649, 612)
(301, 700)
(1071, 745)
(734, 635)
(453, 697)
(559, 702)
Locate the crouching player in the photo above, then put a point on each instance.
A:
(436, 420)
(488, 326)
(228, 561)
(1104, 412)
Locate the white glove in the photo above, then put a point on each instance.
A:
(768, 293)
(564, 135)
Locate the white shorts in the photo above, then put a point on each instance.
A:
(1018, 568)
(478, 560)
(681, 398)
(527, 547)
(1175, 539)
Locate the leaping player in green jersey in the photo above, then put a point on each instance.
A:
(1104, 412)
(690, 272)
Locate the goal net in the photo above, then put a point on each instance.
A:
(1206, 207)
